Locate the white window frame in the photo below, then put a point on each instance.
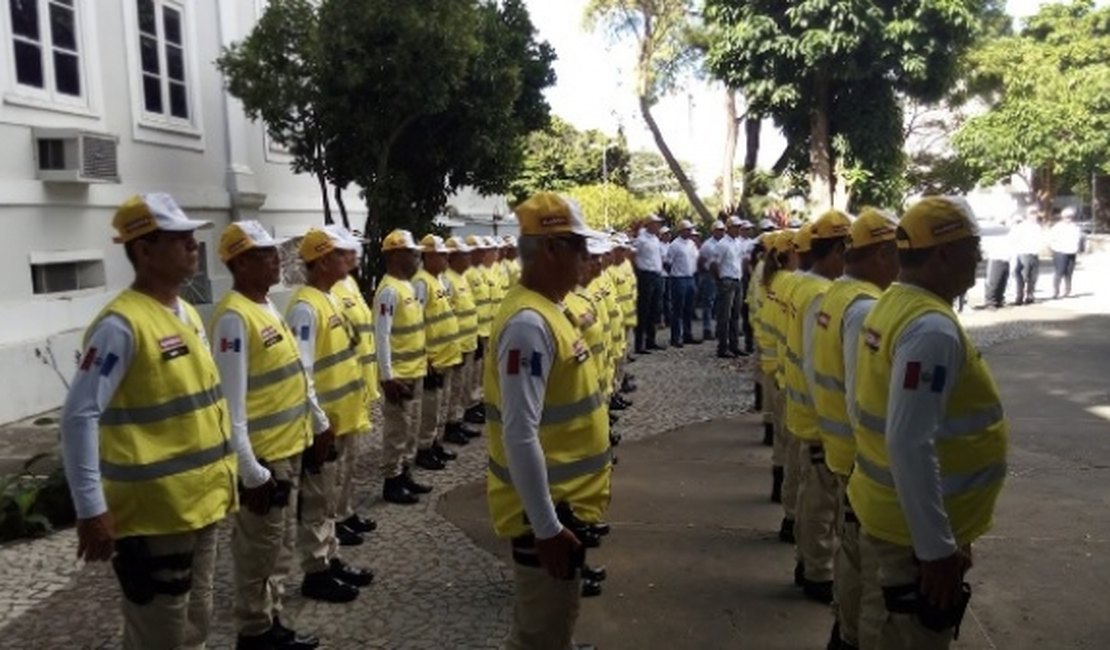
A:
(164, 128)
(48, 98)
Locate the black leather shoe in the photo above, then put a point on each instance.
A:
(655, 346)
(822, 592)
(426, 459)
(616, 405)
(322, 585)
(768, 434)
(739, 353)
(287, 639)
(643, 351)
(622, 399)
(726, 355)
(470, 433)
(360, 524)
(691, 341)
(455, 435)
(799, 575)
(757, 397)
(590, 589)
(264, 641)
(442, 453)
(413, 486)
(594, 574)
(344, 572)
(613, 419)
(347, 537)
(627, 385)
(394, 491)
(786, 531)
(475, 415)
(776, 487)
(600, 529)
(614, 439)
(677, 344)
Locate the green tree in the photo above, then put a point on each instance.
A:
(608, 205)
(561, 156)
(649, 174)
(666, 42)
(1049, 93)
(832, 74)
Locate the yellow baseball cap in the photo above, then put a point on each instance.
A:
(831, 225)
(318, 243)
(873, 226)
(243, 236)
(143, 214)
(784, 241)
(803, 238)
(936, 220)
(547, 213)
(509, 241)
(433, 244)
(477, 242)
(399, 239)
(457, 245)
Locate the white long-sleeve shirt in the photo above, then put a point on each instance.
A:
(108, 355)
(232, 362)
(851, 327)
(385, 303)
(729, 258)
(525, 350)
(1065, 237)
(914, 416)
(682, 255)
(649, 252)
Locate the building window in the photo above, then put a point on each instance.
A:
(162, 56)
(46, 47)
(62, 276)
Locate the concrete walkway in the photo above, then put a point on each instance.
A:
(694, 563)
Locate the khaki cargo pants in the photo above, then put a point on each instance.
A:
(173, 622)
(545, 610)
(459, 399)
(815, 529)
(847, 585)
(880, 629)
(349, 449)
(400, 430)
(262, 548)
(435, 407)
(476, 393)
(316, 533)
(785, 452)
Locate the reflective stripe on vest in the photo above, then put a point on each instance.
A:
(950, 427)
(362, 317)
(407, 352)
(164, 468)
(561, 473)
(329, 396)
(290, 414)
(171, 409)
(952, 485)
(274, 376)
(553, 415)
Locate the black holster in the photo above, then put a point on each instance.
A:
(817, 454)
(907, 599)
(135, 569)
(433, 380)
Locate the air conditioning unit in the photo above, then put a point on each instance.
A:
(74, 156)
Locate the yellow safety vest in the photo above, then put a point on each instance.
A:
(336, 373)
(407, 341)
(502, 268)
(830, 392)
(628, 295)
(278, 413)
(476, 278)
(496, 291)
(971, 445)
(605, 299)
(166, 459)
(801, 417)
(361, 317)
(590, 321)
(767, 334)
(466, 312)
(782, 287)
(612, 294)
(514, 271)
(441, 328)
(573, 427)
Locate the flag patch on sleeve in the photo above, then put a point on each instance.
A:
(104, 364)
(916, 377)
(231, 345)
(520, 362)
(305, 333)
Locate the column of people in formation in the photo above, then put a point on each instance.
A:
(889, 439)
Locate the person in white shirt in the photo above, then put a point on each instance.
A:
(707, 284)
(1065, 240)
(682, 257)
(1028, 240)
(999, 252)
(728, 267)
(648, 260)
(666, 236)
(747, 245)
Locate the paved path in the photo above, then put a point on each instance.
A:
(440, 588)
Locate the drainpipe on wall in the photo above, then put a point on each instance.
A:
(242, 186)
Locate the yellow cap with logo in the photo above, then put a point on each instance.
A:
(547, 213)
(936, 220)
(784, 242)
(803, 238)
(476, 242)
(831, 225)
(243, 236)
(457, 245)
(432, 244)
(143, 214)
(399, 239)
(873, 226)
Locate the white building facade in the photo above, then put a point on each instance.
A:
(100, 100)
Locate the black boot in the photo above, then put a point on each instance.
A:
(344, 572)
(455, 434)
(627, 385)
(776, 485)
(615, 404)
(799, 574)
(322, 585)
(442, 453)
(590, 588)
(822, 592)
(595, 574)
(426, 459)
(475, 415)
(264, 641)
(347, 537)
(413, 486)
(360, 524)
(394, 491)
(287, 639)
(768, 434)
(786, 531)
(758, 405)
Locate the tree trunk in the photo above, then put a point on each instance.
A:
(842, 194)
(732, 133)
(753, 127)
(324, 195)
(820, 154)
(672, 162)
(342, 207)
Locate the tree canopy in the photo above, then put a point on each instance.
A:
(832, 75)
(560, 157)
(1048, 88)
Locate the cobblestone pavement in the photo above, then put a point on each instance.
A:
(435, 588)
